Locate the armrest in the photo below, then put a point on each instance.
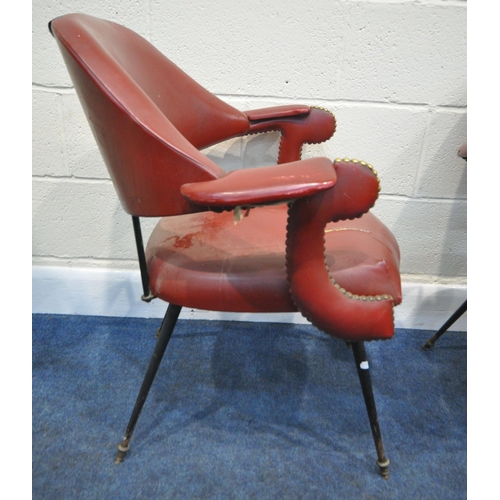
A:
(263, 185)
(272, 113)
(335, 311)
(298, 125)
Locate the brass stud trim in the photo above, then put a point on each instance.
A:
(364, 163)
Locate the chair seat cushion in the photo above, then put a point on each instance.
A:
(207, 261)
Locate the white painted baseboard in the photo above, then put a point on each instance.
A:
(104, 292)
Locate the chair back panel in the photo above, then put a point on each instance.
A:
(148, 117)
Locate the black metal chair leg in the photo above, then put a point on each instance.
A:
(166, 330)
(366, 385)
(158, 330)
(430, 343)
(147, 295)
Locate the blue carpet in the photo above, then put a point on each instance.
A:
(243, 411)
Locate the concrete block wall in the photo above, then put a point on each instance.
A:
(393, 72)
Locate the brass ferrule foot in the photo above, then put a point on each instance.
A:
(123, 447)
(384, 468)
(428, 345)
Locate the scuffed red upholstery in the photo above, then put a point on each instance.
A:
(348, 311)
(206, 261)
(148, 116)
(150, 120)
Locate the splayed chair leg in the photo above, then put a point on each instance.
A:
(456, 315)
(167, 327)
(158, 331)
(366, 385)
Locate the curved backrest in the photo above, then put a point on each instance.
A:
(148, 116)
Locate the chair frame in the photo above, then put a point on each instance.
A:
(299, 125)
(164, 333)
(163, 337)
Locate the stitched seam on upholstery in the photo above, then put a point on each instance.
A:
(279, 147)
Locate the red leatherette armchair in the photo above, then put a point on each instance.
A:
(295, 236)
